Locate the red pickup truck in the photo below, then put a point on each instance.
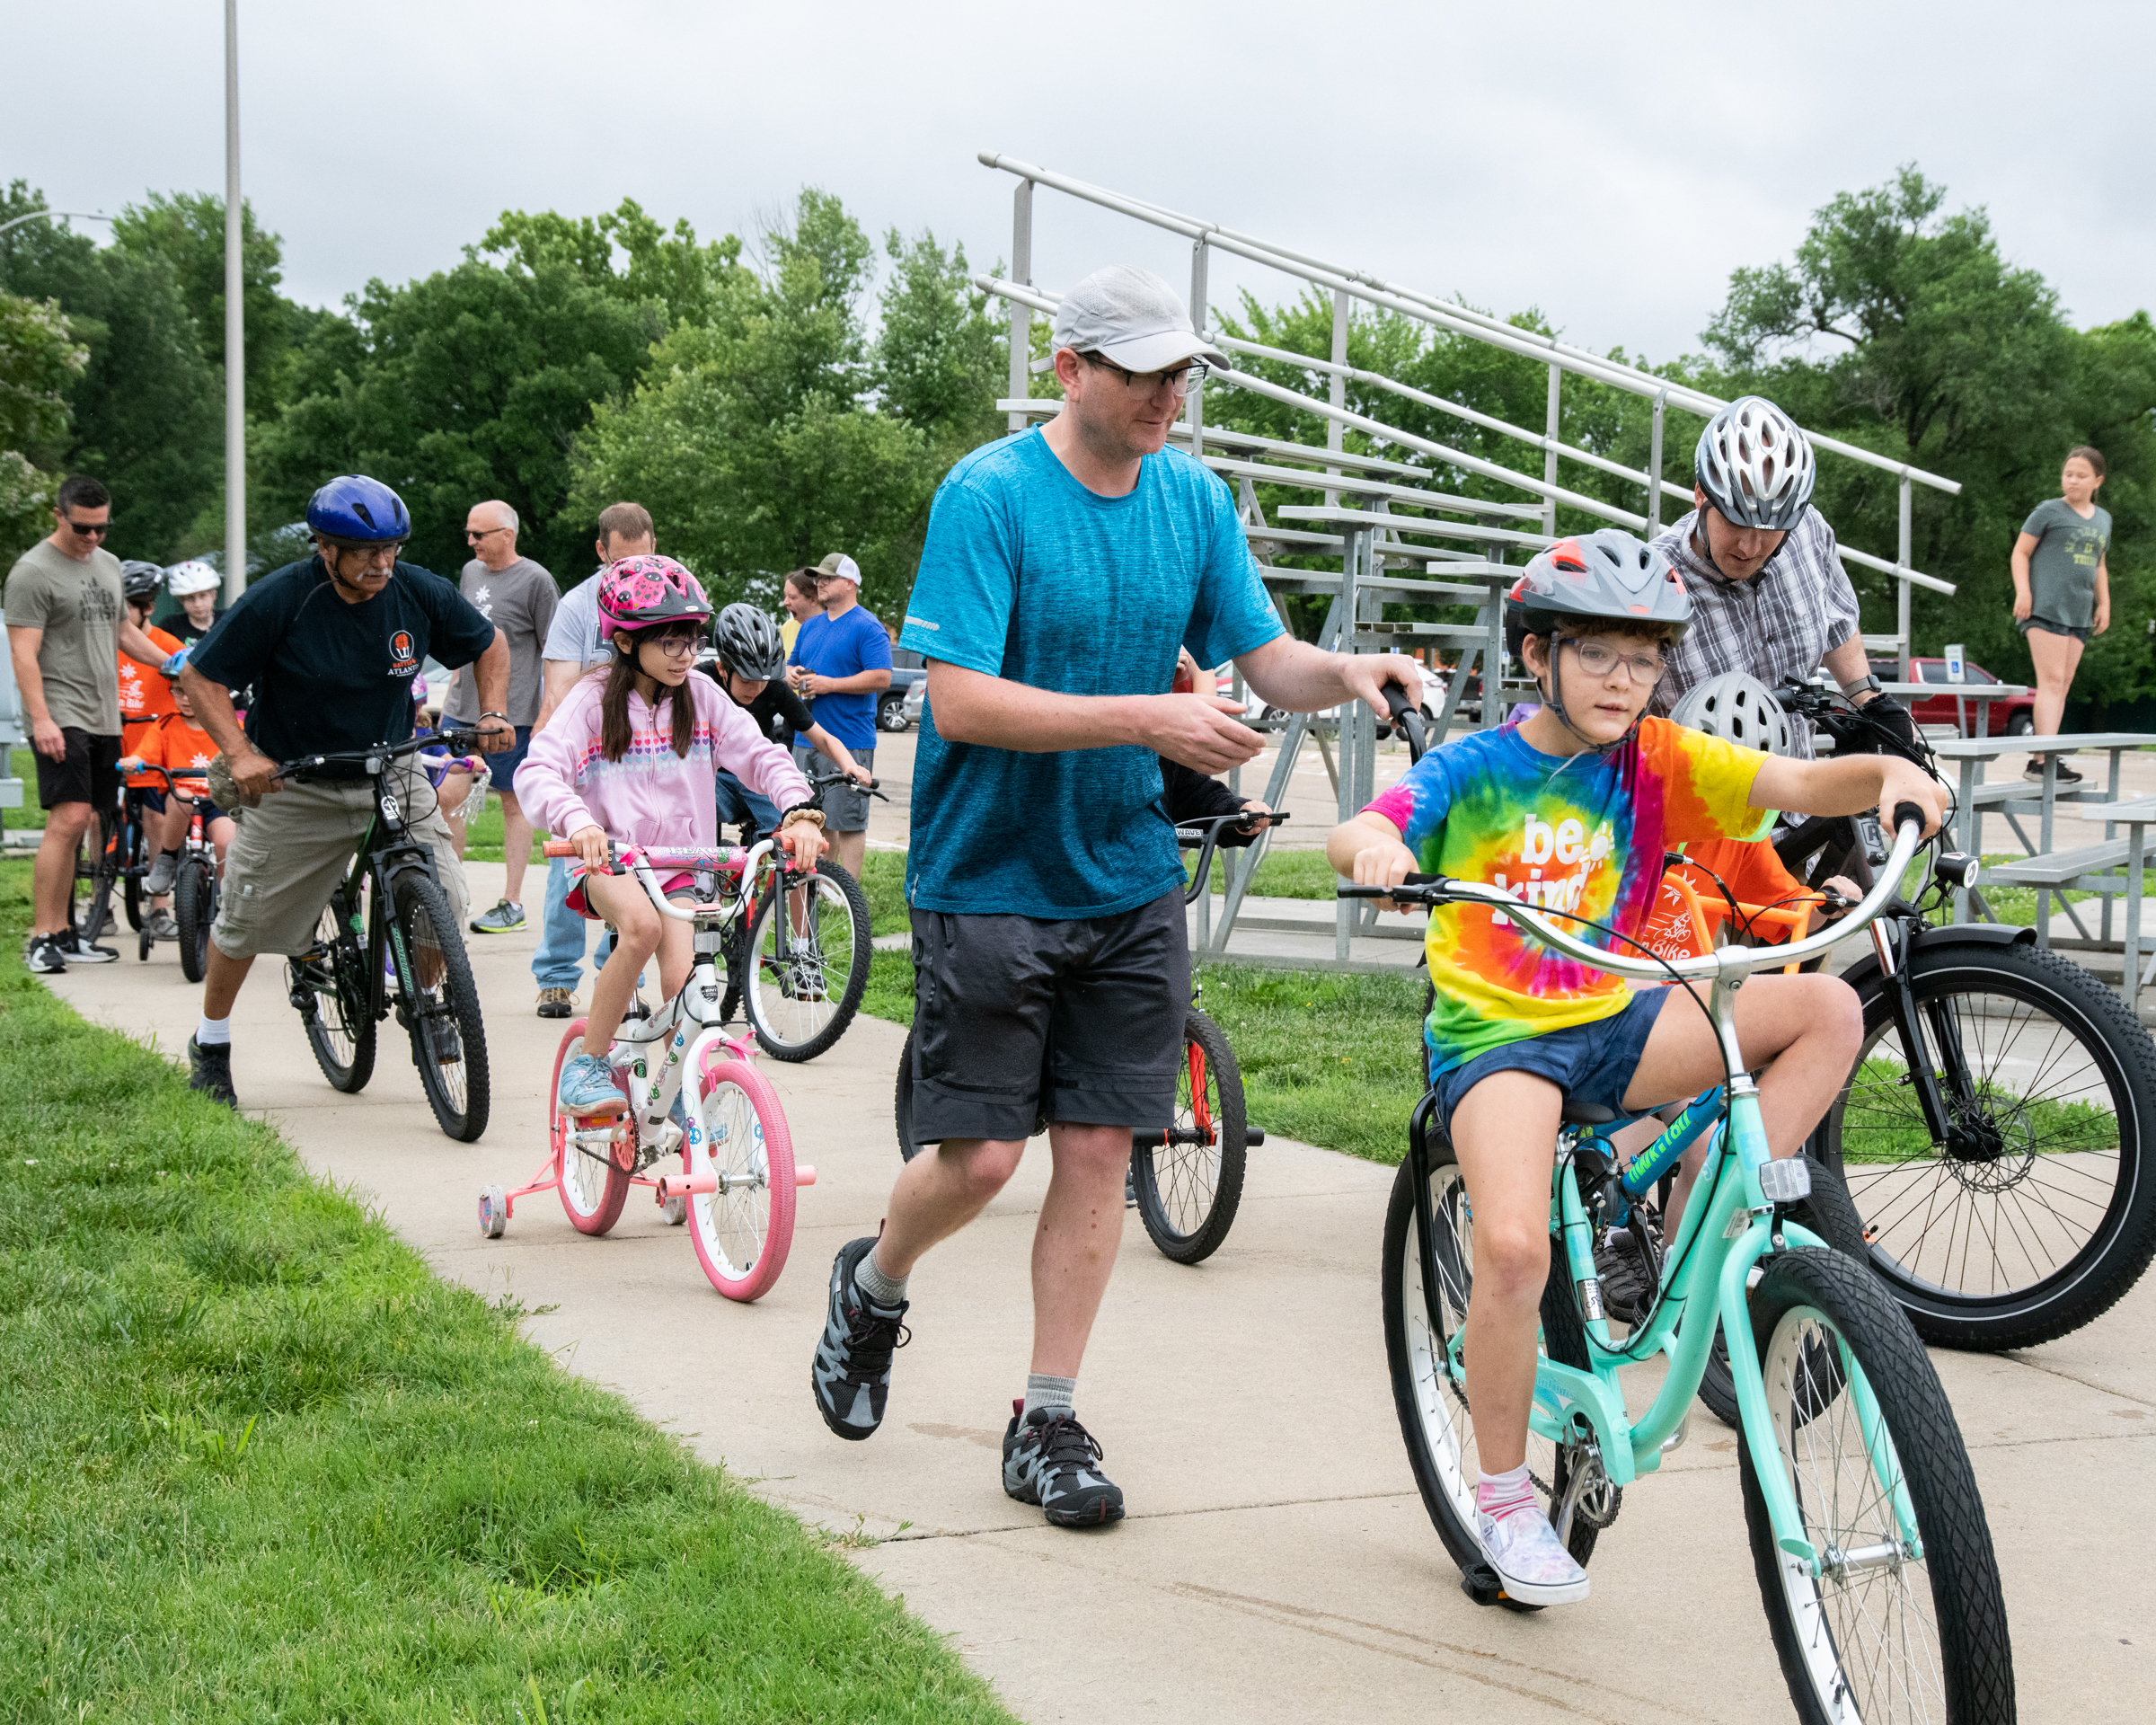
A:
(2009, 718)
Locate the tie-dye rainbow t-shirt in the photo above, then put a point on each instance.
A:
(1583, 833)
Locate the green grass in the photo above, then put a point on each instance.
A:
(260, 1464)
(1281, 874)
(1882, 1123)
(2018, 905)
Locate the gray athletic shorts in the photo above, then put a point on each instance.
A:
(1015, 1019)
(295, 845)
(845, 806)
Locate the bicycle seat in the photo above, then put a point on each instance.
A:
(1585, 1113)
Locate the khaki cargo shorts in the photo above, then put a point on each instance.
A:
(293, 848)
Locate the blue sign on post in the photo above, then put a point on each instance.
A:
(1956, 663)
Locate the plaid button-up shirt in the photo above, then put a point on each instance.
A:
(1778, 626)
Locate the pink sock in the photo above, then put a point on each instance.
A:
(1499, 1495)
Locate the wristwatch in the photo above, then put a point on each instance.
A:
(1869, 680)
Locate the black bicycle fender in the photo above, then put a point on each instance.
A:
(1950, 934)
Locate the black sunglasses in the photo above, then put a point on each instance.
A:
(88, 529)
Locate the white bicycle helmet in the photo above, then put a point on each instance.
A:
(1755, 465)
(193, 576)
(1738, 709)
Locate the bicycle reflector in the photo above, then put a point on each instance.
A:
(1785, 1181)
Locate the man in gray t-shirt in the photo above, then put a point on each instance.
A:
(519, 599)
(65, 631)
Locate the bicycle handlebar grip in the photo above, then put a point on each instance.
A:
(557, 847)
(1904, 811)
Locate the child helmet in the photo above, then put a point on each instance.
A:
(639, 592)
(1738, 708)
(1755, 465)
(140, 582)
(748, 644)
(1605, 577)
(175, 663)
(193, 576)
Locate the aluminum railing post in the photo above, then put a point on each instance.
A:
(1335, 430)
(1654, 467)
(1194, 403)
(1021, 315)
(1550, 422)
(1348, 735)
(1902, 558)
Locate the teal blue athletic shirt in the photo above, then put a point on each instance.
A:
(1027, 576)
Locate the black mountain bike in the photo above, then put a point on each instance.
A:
(388, 942)
(113, 858)
(1993, 1136)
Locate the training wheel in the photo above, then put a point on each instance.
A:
(493, 1212)
(675, 1210)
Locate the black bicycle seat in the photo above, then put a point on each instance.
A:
(1585, 1113)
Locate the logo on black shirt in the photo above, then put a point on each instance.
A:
(402, 662)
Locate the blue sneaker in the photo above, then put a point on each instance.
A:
(587, 1086)
(851, 1375)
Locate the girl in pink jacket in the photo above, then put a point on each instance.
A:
(631, 756)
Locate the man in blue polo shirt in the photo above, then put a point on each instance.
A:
(1062, 571)
(842, 663)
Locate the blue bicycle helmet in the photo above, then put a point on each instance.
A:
(353, 510)
(175, 663)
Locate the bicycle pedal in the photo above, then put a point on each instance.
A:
(1479, 1583)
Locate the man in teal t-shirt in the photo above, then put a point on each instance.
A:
(1062, 570)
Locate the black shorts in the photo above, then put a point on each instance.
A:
(1015, 1019)
(87, 775)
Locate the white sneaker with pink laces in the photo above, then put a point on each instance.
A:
(1534, 1568)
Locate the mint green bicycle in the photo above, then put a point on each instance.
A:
(1868, 1534)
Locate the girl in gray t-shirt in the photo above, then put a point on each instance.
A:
(2061, 589)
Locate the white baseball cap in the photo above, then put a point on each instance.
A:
(1132, 317)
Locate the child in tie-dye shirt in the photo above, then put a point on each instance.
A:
(1572, 810)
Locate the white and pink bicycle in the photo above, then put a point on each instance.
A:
(731, 1175)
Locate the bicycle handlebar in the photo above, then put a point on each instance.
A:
(1725, 962)
(1408, 718)
(377, 757)
(201, 779)
(724, 859)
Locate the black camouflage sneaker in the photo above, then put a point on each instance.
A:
(1050, 1461)
(852, 1374)
(209, 1071)
(46, 956)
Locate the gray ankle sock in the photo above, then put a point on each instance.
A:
(1044, 1390)
(884, 1291)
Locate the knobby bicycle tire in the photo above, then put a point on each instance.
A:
(194, 893)
(134, 853)
(1434, 1420)
(448, 1036)
(329, 986)
(782, 990)
(1877, 1634)
(100, 864)
(2049, 1179)
(1188, 1193)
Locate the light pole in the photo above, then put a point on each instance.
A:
(55, 216)
(235, 332)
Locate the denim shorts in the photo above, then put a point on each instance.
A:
(501, 769)
(1590, 1063)
(2051, 628)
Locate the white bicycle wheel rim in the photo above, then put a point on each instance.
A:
(1852, 1631)
(732, 1226)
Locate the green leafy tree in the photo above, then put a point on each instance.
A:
(1905, 330)
(38, 359)
(146, 410)
(186, 230)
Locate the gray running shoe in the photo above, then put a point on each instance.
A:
(506, 918)
(209, 1071)
(852, 1374)
(162, 870)
(159, 925)
(1051, 1460)
(557, 1003)
(75, 949)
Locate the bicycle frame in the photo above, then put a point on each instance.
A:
(1729, 1224)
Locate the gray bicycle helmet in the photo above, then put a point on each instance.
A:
(1755, 465)
(1738, 708)
(748, 644)
(1605, 577)
(140, 582)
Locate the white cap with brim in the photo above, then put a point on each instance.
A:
(1132, 317)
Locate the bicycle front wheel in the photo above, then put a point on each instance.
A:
(194, 896)
(1888, 1629)
(1423, 1348)
(329, 986)
(440, 1007)
(743, 1229)
(1187, 1188)
(808, 963)
(2036, 1212)
(99, 863)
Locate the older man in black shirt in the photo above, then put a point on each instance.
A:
(331, 647)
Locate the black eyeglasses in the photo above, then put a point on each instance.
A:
(1177, 380)
(89, 529)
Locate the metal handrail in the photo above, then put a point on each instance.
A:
(1429, 309)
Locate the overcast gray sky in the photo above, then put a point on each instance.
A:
(1609, 163)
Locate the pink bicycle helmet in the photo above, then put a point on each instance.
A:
(640, 592)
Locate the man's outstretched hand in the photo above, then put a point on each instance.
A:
(1198, 731)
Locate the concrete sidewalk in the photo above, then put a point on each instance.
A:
(1277, 1565)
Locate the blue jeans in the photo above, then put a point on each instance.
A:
(738, 805)
(558, 962)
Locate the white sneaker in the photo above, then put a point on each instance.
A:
(1534, 1569)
